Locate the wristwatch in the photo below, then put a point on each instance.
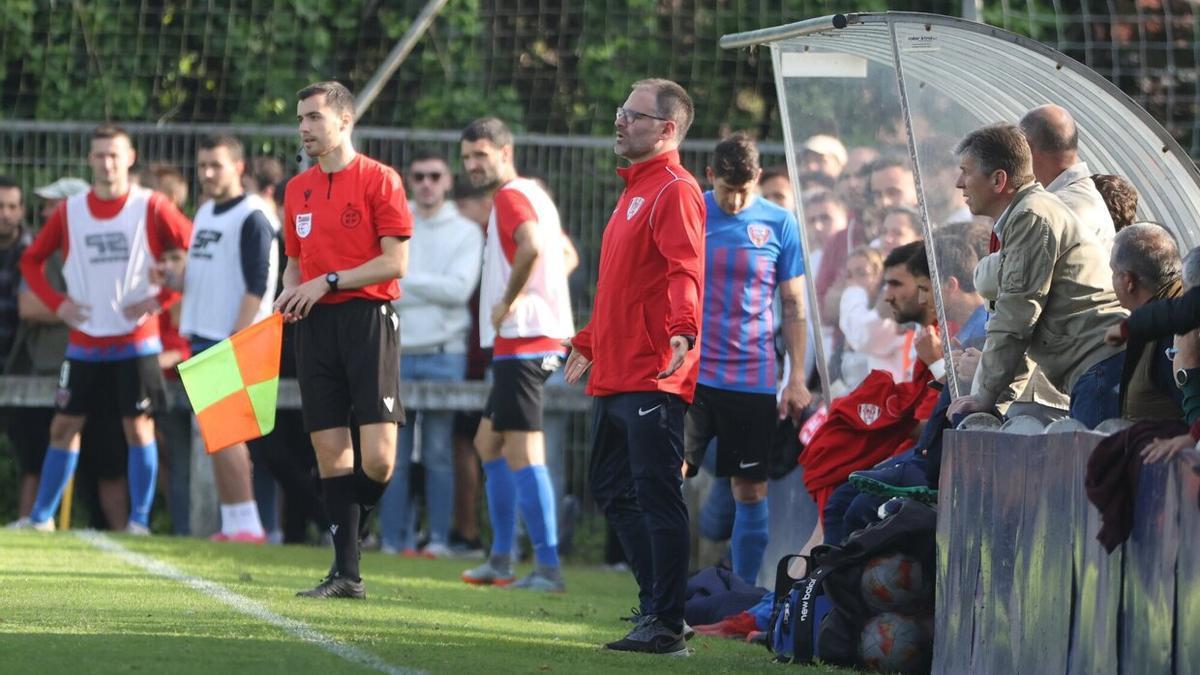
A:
(332, 280)
(1185, 375)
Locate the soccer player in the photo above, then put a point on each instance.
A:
(752, 248)
(524, 315)
(110, 239)
(346, 229)
(229, 284)
(640, 346)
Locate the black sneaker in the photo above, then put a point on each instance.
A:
(635, 615)
(334, 586)
(652, 636)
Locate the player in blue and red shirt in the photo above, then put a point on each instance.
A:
(752, 248)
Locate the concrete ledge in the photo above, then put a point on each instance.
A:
(20, 391)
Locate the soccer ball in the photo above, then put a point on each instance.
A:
(895, 643)
(895, 583)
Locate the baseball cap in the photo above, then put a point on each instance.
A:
(62, 188)
(823, 144)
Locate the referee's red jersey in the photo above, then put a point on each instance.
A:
(333, 222)
(650, 284)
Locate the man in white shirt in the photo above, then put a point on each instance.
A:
(444, 266)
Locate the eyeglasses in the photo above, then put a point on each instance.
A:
(631, 116)
(1171, 352)
(418, 176)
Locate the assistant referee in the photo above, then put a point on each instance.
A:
(346, 229)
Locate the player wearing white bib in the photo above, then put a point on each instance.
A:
(525, 314)
(110, 238)
(229, 284)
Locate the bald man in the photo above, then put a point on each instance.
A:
(1054, 141)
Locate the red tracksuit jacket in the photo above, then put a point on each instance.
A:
(650, 283)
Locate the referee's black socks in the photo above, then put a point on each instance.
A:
(367, 490)
(342, 502)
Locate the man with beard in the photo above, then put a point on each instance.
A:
(524, 315)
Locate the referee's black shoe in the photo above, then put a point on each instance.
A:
(334, 586)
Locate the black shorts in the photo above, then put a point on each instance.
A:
(515, 400)
(136, 385)
(348, 361)
(743, 424)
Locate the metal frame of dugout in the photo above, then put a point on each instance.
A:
(1023, 586)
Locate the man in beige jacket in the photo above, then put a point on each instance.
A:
(1055, 298)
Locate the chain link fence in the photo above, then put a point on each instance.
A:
(548, 67)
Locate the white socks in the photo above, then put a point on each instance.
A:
(241, 517)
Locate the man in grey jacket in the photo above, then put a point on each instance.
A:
(443, 271)
(1055, 298)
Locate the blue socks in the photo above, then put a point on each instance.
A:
(57, 470)
(749, 540)
(502, 505)
(143, 469)
(535, 496)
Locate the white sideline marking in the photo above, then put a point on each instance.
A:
(245, 605)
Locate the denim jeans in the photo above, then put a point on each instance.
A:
(397, 517)
(1095, 396)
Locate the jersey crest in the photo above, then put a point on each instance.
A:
(759, 234)
(868, 413)
(634, 205)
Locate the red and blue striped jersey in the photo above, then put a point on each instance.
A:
(746, 256)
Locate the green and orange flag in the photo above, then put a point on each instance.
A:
(233, 384)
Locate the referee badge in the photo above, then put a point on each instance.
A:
(303, 224)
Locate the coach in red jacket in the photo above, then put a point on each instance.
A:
(641, 345)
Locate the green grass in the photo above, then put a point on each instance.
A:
(68, 607)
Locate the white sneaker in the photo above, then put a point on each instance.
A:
(26, 524)
(436, 550)
(137, 529)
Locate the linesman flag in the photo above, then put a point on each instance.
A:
(233, 384)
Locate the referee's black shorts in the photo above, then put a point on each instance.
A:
(743, 424)
(348, 360)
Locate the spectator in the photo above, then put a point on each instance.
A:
(1119, 196)
(823, 154)
(824, 219)
(13, 240)
(115, 342)
(776, 187)
(1186, 363)
(1053, 303)
(1146, 267)
(890, 183)
(170, 181)
(263, 177)
(1054, 150)
(873, 339)
(901, 225)
(442, 274)
(475, 204)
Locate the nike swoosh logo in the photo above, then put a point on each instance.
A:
(643, 413)
(745, 465)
